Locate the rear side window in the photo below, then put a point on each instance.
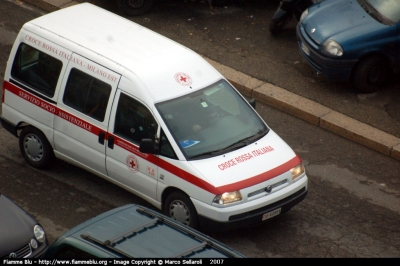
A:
(87, 94)
(36, 69)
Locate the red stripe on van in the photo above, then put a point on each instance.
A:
(283, 168)
(189, 177)
(166, 165)
(3, 91)
(262, 177)
(149, 157)
(51, 108)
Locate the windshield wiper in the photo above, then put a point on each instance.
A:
(234, 146)
(206, 154)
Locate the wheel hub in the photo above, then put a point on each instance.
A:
(180, 212)
(33, 148)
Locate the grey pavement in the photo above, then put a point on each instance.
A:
(286, 101)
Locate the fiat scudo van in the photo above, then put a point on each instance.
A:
(131, 106)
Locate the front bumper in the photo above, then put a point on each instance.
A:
(250, 212)
(254, 217)
(334, 69)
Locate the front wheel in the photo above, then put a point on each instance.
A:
(35, 148)
(179, 207)
(135, 7)
(370, 73)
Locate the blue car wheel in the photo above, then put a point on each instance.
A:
(370, 74)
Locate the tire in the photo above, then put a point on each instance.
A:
(35, 148)
(135, 7)
(276, 27)
(179, 207)
(370, 73)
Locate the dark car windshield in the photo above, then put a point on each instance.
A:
(211, 121)
(385, 11)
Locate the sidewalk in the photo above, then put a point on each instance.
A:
(288, 102)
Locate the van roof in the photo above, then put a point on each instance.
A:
(153, 58)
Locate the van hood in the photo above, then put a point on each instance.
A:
(250, 165)
(338, 20)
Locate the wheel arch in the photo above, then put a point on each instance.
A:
(387, 59)
(46, 131)
(35, 147)
(20, 126)
(169, 190)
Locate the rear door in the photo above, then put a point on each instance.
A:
(32, 89)
(80, 129)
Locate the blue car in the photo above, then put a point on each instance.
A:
(352, 40)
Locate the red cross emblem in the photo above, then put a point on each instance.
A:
(132, 163)
(183, 79)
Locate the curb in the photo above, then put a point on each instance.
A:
(288, 102)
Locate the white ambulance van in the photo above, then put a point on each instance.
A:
(148, 114)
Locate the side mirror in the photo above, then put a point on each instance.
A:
(252, 102)
(148, 146)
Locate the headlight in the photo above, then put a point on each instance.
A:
(303, 15)
(34, 243)
(228, 197)
(332, 48)
(297, 171)
(39, 233)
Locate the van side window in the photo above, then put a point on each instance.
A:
(133, 120)
(165, 147)
(36, 69)
(87, 94)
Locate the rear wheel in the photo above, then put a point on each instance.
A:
(135, 7)
(35, 148)
(370, 73)
(179, 207)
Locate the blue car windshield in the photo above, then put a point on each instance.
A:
(386, 11)
(211, 121)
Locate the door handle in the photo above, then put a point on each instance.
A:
(101, 137)
(110, 143)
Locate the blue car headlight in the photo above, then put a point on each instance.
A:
(332, 48)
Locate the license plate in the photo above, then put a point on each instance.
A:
(271, 214)
(305, 49)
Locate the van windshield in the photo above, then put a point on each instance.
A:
(211, 121)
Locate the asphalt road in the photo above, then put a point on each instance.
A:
(352, 209)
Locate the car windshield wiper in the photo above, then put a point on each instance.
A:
(234, 146)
